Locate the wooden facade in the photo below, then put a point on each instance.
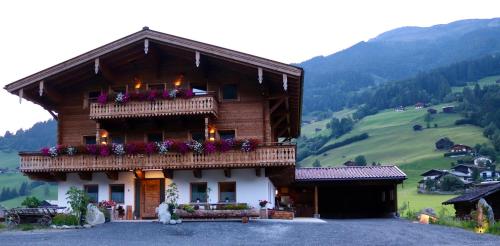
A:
(266, 106)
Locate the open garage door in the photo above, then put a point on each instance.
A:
(356, 201)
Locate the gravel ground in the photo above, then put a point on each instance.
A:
(334, 232)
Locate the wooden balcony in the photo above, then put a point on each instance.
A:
(263, 156)
(198, 105)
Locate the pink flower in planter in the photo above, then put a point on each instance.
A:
(152, 95)
(186, 94)
(226, 145)
(210, 147)
(181, 147)
(165, 94)
(104, 150)
(151, 148)
(92, 149)
(45, 151)
(102, 98)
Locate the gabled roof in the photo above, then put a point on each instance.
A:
(432, 172)
(346, 173)
(146, 33)
(474, 195)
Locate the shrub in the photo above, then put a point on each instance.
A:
(78, 200)
(240, 206)
(2, 225)
(410, 214)
(494, 229)
(175, 216)
(65, 219)
(188, 208)
(31, 202)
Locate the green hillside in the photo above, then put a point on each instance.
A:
(393, 141)
(14, 180)
(491, 80)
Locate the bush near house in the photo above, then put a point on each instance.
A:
(65, 219)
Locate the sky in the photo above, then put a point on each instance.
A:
(39, 34)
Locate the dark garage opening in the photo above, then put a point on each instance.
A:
(356, 201)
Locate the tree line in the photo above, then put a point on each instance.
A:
(23, 190)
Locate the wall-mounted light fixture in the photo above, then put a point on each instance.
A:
(137, 83)
(211, 133)
(178, 80)
(103, 136)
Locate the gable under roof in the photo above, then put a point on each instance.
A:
(146, 33)
(348, 173)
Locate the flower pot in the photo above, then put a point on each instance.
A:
(173, 222)
(178, 221)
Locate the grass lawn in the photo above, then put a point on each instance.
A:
(9, 160)
(309, 130)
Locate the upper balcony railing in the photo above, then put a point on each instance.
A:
(262, 156)
(198, 105)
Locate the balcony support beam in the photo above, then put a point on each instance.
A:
(112, 175)
(168, 173)
(227, 172)
(139, 174)
(197, 173)
(258, 171)
(59, 176)
(85, 175)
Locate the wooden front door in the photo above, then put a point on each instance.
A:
(150, 197)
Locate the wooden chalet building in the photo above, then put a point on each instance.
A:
(152, 109)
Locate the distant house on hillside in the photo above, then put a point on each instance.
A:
(400, 109)
(433, 177)
(317, 129)
(444, 143)
(350, 163)
(461, 148)
(448, 109)
(431, 111)
(417, 128)
(419, 105)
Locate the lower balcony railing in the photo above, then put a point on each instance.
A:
(262, 156)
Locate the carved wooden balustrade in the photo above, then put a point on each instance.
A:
(263, 156)
(198, 105)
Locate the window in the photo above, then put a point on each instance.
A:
(118, 139)
(229, 92)
(227, 134)
(93, 95)
(198, 192)
(198, 136)
(93, 192)
(89, 140)
(227, 192)
(117, 193)
(154, 137)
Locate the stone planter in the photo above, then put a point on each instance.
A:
(218, 214)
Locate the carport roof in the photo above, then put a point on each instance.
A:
(349, 173)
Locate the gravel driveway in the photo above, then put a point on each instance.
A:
(333, 232)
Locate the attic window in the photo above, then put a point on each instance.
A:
(200, 89)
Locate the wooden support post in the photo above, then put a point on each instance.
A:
(85, 175)
(227, 172)
(113, 175)
(139, 174)
(316, 210)
(206, 128)
(258, 171)
(40, 88)
(197, 173)
(97, 135)
(168, 173)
